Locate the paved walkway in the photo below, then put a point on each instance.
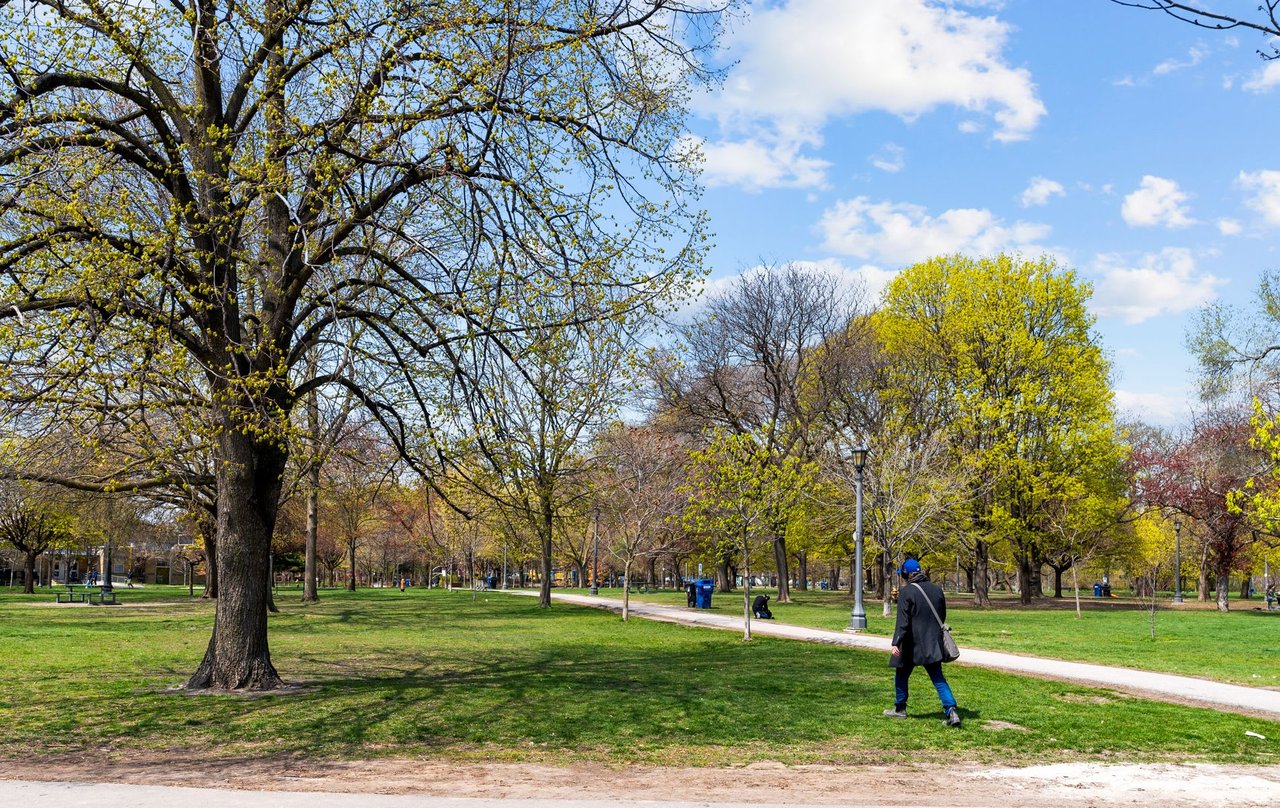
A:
(1164, 686)
(119, 795)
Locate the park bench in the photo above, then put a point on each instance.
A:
(71, 595)
(107, 598)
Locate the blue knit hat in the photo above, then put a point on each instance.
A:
(909, 566)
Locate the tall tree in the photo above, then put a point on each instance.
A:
(1007, 350)
(761, 361)
(209, 190)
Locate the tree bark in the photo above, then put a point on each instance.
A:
(29, 569)
(802, 571)
(546, 521)
(780, 558)
(1224, 585)
(310, 593)
(981, 595)
(249, 477)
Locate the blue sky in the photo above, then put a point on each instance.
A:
(865, 135)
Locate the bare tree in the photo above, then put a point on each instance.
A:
(760, 360)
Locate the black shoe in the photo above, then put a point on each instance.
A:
(896, 712)
(953, 718)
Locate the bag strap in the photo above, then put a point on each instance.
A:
(929, 603)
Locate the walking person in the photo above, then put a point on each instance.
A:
(917, 640)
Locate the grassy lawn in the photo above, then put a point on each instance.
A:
(1241, 646)
(494, 677)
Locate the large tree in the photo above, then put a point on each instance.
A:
(1006, 350)
(209, 191)
(765, 360)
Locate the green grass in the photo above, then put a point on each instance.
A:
(443, 674)
(1241, 646)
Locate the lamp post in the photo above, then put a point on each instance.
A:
(595, 554)
(1177, 560)
(858, 617)
(504, 566)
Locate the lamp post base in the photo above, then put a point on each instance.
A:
(1177, 599)
(595, 590)
(857, 622)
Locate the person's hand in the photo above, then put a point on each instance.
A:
(894, 651)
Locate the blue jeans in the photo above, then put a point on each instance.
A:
(934, 669)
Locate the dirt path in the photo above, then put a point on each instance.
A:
(1071, 785)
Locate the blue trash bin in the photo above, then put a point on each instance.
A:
(1097, 590)
(705, 587)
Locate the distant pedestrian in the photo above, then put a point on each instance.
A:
(402, 580)
(917, 640)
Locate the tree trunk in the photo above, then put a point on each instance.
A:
(310, 571)
(546, 517)
(1224, 585)
(835, 577)
(249, 478)
(626, 590)
(29, 577)
(802, 582)
(780, 558)
(351, 565)
(886, 591)
(211, 562)
(981, 595)
(1026, 586)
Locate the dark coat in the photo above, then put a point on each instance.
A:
(917, 633)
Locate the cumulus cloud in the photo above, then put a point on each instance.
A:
(866, 282)
(1264, 80)
(1159, 283)
(1263, 189)
(1229, 227)
(890, 158)
(1158, 202)
(1040, 191)
(802, 63)
(903, 233)
(1152, 408)
(754, 166)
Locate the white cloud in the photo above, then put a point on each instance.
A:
(1263, 80)
(1161, 283)
(754, 166)
(890, 158)
(1194, 57)
(1040, 191)
(902, 233)
(1229, 227)
(1152, 408)
(866, 282)
(802, 63)
(1158, 202)
(1264, 190)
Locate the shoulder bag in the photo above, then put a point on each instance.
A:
(950, 651)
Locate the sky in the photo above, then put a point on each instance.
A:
(866, 135)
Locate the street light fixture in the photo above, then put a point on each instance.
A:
(858, 617)
(1177, 560)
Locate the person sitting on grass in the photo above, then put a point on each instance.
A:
(760, 608)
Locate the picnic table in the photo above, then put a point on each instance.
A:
(71, 595)
(86, 594)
